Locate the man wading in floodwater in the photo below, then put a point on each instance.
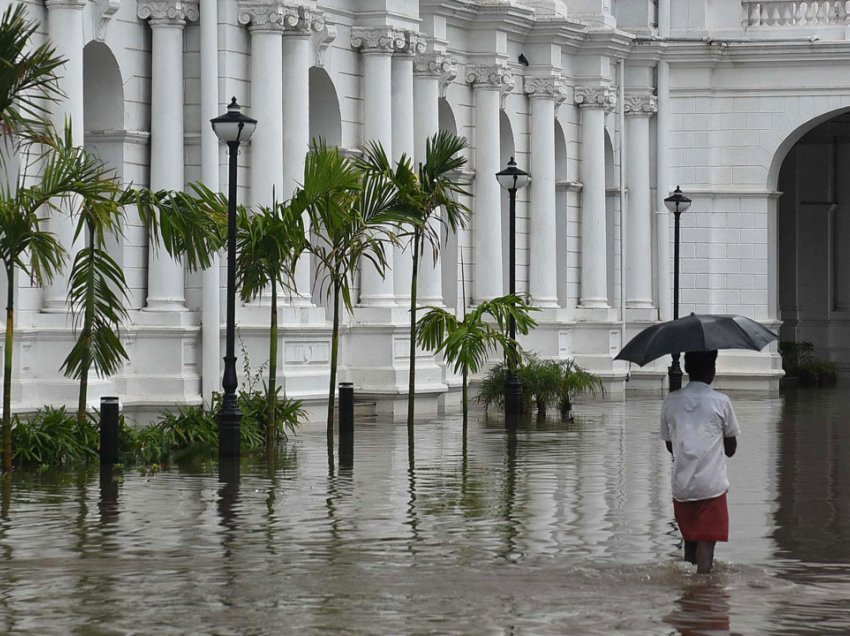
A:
(698, 426)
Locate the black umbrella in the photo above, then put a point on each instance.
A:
(696, 333)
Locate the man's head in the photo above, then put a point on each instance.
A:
(700, 365)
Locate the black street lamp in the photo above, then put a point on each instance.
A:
(232, 128)
(676, 203)
(512, 179)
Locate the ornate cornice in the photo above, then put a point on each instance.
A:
(595, 97)
(436, 65)
(545, 87)
(640, 105)
(383, 39)
(280, 16)
(176, 12)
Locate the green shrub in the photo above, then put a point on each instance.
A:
(799, 361)
(53, 437)
(545, 383)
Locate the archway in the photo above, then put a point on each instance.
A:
(506, 151)
(813, 230)
(325, 120)
(450, 243)
(103, 104)
(561, 224)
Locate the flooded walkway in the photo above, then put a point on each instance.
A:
(561, 529)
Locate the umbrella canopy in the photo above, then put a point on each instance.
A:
(704, 332)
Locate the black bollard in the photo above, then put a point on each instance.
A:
(109, 430)
(346, 424)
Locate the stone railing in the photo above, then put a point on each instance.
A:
(781, 13)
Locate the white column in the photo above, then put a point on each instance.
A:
(210, 282)
(65, 27)
(429, 72)
(489, 82)
(639, 266)
(266, 180)
(543, 281)
(296, 122)
(594, 269)
(167, 19)
(662, 190)
(377, 45)
(403, 144)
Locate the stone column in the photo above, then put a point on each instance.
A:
(543, 91)
(638, 110)
(403, 144)
(489, 83)
(65, 28)
(431, 74)
(300, 22)
(167, 19)
(376, 45)
(594, 245)
(266, 27)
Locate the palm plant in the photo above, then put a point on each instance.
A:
(269, 244)
(28, 79)
(466, 343)
(348, 210)
(428, 200)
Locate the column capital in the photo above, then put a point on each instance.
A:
(492, 77)
(381, 39)
(437, 65)
(602, 97)
(65, 4)
(545, 87)
(167, 12)
(283, 17)
(640, 105)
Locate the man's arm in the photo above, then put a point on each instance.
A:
(730, 445)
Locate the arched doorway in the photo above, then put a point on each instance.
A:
(103, 104)
(325, 120)
(813, 230)
(506, 151)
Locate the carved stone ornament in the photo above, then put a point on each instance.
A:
(280, 16)
(322, 40)
(595, 97)
(492, 76)
(545, 86)
(436, 65)
(167, 11)
(383, 39)
(103, 15)
(640, 105)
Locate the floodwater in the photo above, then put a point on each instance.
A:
(559, 529)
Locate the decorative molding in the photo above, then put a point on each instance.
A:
(640, 105)
(545, 87)
(384, 39)
(67, 4)
(167, 11)
(415, 44)
(322, 40)
(278, 16)
(102, 15)
(492, 76)
(436, 65)
(595, 97)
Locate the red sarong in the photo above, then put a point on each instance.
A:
(703, 520)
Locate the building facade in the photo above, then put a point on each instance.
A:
(608, 104)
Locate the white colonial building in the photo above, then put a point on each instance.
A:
(609, 104)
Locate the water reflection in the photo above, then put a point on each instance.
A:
(703, 608)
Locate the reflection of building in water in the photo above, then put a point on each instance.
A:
(812, 517)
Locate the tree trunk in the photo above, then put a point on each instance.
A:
(88, 319)
(7, 370)
(271, 392)
(463, 400)
(411, 374)
(334, 355)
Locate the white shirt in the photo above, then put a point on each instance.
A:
(695, 420)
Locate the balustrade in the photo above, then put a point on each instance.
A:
(781, 13)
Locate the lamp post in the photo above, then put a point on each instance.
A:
(676, 203)
(512, 179)
(232, 128)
